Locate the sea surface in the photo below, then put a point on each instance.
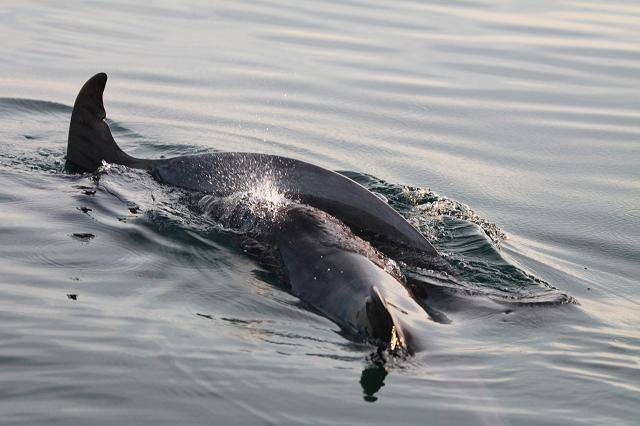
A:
(508, 132)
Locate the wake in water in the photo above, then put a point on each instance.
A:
(155, 236)
(469, 243)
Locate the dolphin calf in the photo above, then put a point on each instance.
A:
(338, 274)
(90, 143)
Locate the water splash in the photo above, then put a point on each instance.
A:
(421, 205)
(443, 206)
(245, 211)
(469, 243)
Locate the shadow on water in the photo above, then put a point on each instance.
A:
(372, 380)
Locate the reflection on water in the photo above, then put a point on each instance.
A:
(372, 380)
(521, 117)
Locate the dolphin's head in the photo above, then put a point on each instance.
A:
(345, 277)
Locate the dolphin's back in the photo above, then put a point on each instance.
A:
(228, 172)
(90, 143)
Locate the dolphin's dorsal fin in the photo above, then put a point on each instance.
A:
(90, 141)
(90, 97)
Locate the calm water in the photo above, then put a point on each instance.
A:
(478, 120)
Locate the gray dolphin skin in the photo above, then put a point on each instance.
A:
(90, 142)
(352, 285)
(340, 275)
(326, 265)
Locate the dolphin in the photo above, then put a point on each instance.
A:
(338, 274)
(90, 143)
(310, 235)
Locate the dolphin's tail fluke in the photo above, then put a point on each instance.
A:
(90, 141)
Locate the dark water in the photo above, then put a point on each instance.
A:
(509, 133)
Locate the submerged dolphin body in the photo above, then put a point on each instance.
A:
(90, 143)
(340, 275)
